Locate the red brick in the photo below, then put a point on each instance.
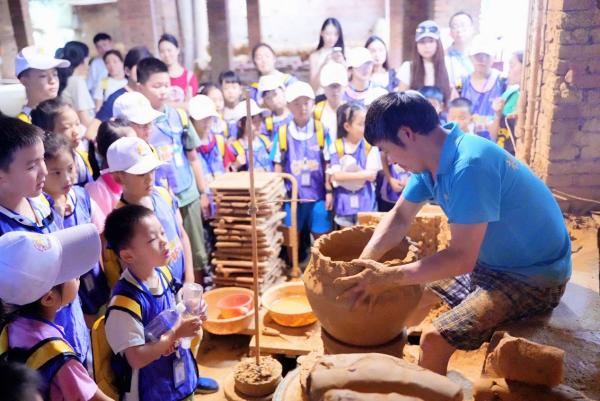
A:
(568, 5)
(569, 110)
(582, 19)
(566, 152)
(576, 37)
(592, 125)
(579, 52)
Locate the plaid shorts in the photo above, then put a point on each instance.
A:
(483, 300)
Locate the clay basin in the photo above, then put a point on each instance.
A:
(330, 258)
(288, 306)
(215, 323)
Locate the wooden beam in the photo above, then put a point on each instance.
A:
(19, 16)
(221, 52)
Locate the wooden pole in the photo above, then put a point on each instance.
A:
(253, 210)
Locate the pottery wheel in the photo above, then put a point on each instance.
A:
(394, 347)
(232, 395)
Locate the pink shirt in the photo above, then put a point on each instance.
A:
(105, 192)
(181, 84)
(71, 382)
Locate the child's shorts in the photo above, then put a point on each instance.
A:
(311, 215)
(483, 300)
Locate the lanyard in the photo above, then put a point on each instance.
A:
(40, 227)
(147, 290)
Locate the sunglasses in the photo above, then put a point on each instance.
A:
(431, 29)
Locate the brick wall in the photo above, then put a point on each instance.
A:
(8, 46)
(561, 121)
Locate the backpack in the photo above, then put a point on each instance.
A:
(44, 357)
(104, 86)
(339, 147)
(185, 120)
(282, 136)
(319, 107)
(237, 145)
(113, 383)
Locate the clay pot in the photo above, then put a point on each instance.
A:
(330, 259)
(253, 384)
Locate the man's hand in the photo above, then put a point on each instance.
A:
(329, 201)
(366, 285)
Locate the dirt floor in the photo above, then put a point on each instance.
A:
(573, 326)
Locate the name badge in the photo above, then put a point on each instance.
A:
(354, 201)
(305, 179)
(178, 372)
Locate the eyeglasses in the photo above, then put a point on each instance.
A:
(431, 29)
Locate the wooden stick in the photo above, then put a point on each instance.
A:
(253, 210)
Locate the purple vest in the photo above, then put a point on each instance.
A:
(482, 102)
(388, 194)
(304, 160)
(349, 203)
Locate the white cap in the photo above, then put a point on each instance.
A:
(135, 107)
(131, 155)
(333, 73)
(270, 82)
(31, 264)
(298, 89)
(38, 58)
(239, 111)
(201, 107)
(481, 44)
(427, 29)
(358, 56)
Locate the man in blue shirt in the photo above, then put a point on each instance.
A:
(510, 254)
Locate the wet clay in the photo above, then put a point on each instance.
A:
(378, 373)
(525, 361)
(362, 326)
(486, 389)
(257, 381)
(347, 395)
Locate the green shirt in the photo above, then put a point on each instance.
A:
(511, 98)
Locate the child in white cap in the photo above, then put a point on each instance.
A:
(36, 69)
(214, 152)
(261, 144)
(271, 95)
(334, 80)
(300, 148)
(136, 110)
(360, 88)
(38, 276)
(133, 164)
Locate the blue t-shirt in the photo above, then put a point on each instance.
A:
(479, 182)
(106, 110)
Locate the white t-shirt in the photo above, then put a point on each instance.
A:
(112, 85)
(329, 120)
(124, 331)
(429, 80)
(77, 95)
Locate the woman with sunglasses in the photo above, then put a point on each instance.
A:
(382, 75)
(428, 65)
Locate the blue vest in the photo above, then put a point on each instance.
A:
(93, 289)
(213, 166)
(482, 101)
(388, 194)
(156, 380)
(167, 136)
(262, 161)
(70, 317)
(343, 198)
(306, 157)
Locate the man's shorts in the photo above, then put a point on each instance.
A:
(311, 215)
(483, 300)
